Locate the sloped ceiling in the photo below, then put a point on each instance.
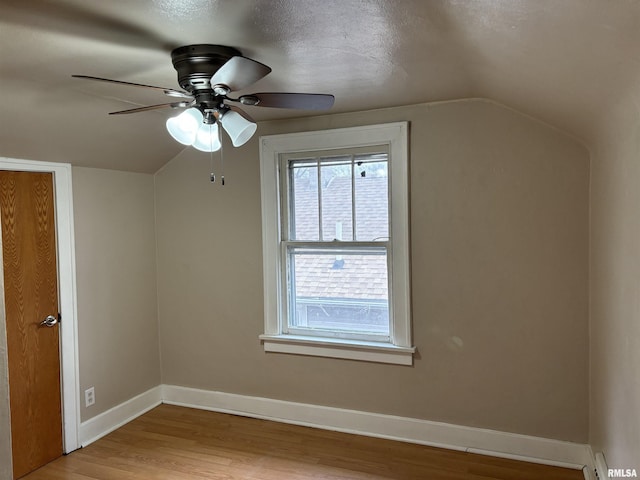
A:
(563, 62)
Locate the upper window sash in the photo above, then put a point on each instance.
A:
(317, 163)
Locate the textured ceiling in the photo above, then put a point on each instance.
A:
(563, 62)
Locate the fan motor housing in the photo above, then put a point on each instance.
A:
(196, 64)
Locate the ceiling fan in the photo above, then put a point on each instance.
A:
(208, 74)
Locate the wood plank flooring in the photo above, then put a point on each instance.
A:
(176, 443)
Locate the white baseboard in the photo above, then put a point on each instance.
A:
(453, 437)
(106, 422)
(436, 434)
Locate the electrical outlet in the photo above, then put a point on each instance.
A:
(89, 397)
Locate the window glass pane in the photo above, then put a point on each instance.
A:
(371, 198)
(304, 221)
(336, 199)
(342, 290)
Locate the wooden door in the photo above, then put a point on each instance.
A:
(31, 294)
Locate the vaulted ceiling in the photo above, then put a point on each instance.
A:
(562, 61)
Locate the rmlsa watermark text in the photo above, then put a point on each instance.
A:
(622, 473)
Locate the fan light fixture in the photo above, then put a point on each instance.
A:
(239, 128)
(207, 138)
(184, 127)
(191, 127)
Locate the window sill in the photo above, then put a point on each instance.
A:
(338, 348)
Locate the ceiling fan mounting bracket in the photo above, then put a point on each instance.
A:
(206, 99)
(196, 64)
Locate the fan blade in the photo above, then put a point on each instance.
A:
(152, 107)
(239, 72)
(167, 91)
(300, 101)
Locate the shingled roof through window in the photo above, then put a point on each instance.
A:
(344, 275)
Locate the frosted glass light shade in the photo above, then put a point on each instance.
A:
(207, 139)
(239, 128)
(184, 127)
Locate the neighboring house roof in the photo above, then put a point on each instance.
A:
(358, 278)
(371, 209)
(347, 275)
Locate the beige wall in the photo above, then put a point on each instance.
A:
(499, 260)
(116, 277)
(615, 292)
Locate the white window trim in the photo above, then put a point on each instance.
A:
(399, 350)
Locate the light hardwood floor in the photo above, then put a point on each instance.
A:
(179, 443)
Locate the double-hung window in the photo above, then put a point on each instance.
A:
(335, 243)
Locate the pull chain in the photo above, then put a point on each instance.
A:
(221, 156)
(212, 175)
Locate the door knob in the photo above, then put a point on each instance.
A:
(50, 321)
